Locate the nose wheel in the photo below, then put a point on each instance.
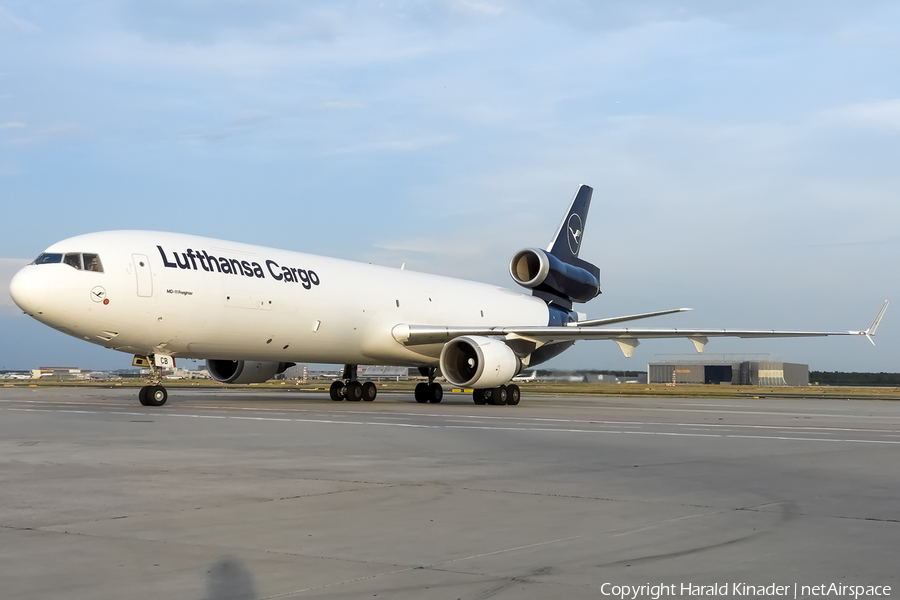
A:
(153, 395)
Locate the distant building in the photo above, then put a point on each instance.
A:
(15, 375)
(748, 372)
(295, 373)
(177, 373)
(375, 373)
(604, 378)
(60, 373)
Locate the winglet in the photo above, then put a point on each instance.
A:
(871, 330)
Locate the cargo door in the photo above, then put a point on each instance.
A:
(144, 278)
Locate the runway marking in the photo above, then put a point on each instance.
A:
(666, 521)
(495, 552)
(747, 412)
(519, 418)
(82, 412)
(475, 427)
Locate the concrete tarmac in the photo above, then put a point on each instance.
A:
(251, 495)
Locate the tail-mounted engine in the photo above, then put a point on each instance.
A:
(242, 371)
(478, 361)
(555, 280)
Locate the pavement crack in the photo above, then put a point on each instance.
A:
(584, 497)
(799, 513)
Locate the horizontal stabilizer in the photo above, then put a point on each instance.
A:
(612, 320)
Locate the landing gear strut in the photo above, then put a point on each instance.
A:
(431, 391)
(153, 394)
(352, 390)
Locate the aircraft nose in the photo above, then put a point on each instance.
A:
(28, 289)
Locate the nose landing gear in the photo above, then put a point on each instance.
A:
(154, 394)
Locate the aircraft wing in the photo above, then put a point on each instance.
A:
(627, 337)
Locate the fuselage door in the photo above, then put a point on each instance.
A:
(144, 278)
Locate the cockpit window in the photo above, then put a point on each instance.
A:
(87, 262)
(73, 260)
(46, 258)
(92, 263)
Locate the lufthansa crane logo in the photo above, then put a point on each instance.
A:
(575, 229)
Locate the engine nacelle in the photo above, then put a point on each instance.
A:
(478, 361)
(244, 371)
(534, 268)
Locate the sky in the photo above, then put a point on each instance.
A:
(743, 155)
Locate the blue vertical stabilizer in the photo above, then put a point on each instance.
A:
(567, 243)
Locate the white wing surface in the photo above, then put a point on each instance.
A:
(627, 337)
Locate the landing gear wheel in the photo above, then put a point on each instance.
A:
(435, 393)
(156, 395)
(369, 391)
(421, 393)
(513, 394)
(498, 396)
(336, 391)
(478, 396)
(142, 395)
(354, 391)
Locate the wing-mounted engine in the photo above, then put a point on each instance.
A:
(545, 273)
(244, 371)
(479, 362)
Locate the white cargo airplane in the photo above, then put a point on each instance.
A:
(521, 377)
(252, 311)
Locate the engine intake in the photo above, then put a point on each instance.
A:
(241, 371)
(535, 269)
(478, 361)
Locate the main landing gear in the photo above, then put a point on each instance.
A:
(431, 391)
(353, 390)
(153, 394)
(505, 394)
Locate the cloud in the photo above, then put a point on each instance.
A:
(52, 133)
(8, 170)
(8, 268)
(10, 21)
(398, 144)
(431, 247)
(724, 140)
(882, 115)
(343, 105)
(243, 123)
(478, 9)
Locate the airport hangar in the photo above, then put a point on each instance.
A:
(729, 372)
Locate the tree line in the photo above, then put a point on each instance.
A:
(860, 379)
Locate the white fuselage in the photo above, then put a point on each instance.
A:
(254, 303)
